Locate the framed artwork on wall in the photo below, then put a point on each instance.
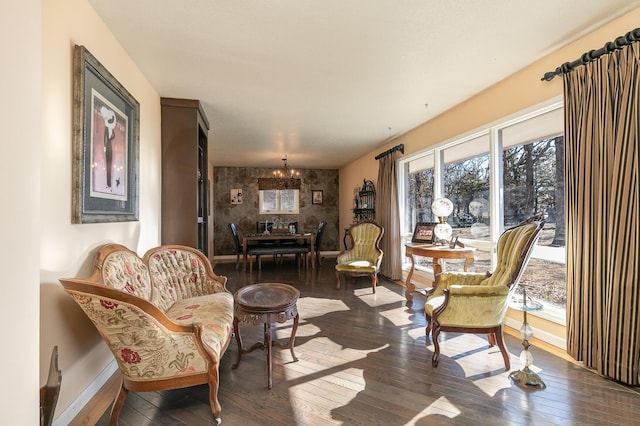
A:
(316, 196)
(106, 123)
(236, 196)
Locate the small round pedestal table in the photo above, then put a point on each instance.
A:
(266, 303)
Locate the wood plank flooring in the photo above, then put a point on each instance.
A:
(364, 360)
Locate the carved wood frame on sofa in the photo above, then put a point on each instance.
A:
(167, 318)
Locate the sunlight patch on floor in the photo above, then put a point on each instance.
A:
(382, 296)
(397, 316)
(417, 333)
(491, 385)
(310, 307)
(441, 408)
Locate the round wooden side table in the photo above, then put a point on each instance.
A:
(266, 303)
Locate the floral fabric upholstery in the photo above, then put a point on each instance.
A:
(142, 347)
(175, 285)
(213, 311)
(178, 274)
(125, 271)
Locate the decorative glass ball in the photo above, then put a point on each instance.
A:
(526, 358)
(442, 207)
(443, 232)
(526, 332)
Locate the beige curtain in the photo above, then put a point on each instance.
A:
(387, 211)
(602, 120)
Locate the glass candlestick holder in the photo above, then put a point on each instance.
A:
(526, 376)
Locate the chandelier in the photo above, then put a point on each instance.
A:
(286, 178)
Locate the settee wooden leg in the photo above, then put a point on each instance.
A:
(213, 393)
(118, 402)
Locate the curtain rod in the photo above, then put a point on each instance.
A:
(618, 43)
(389, 151)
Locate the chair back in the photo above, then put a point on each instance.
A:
(515, 246)
(319, 234)
(366, 238)
(236, 238)
(122, 269)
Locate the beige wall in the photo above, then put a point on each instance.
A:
(20, 214)
(66, 250)
(520, 91)
(353, 176)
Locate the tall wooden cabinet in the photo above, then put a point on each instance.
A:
(185, 181)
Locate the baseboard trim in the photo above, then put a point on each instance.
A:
(68, 416)
(541, 335)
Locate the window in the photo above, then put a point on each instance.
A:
(496, 177)
(279, 201)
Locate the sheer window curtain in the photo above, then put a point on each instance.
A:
(388, 213)
(603, 217)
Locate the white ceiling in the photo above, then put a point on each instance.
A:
(325, 82)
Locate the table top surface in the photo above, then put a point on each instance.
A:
(271, 297)
(278, 236)
(435, 249)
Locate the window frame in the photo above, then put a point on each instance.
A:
(278, 200)
(493, 130)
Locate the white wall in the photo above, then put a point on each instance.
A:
(66, 249)
(20, 214)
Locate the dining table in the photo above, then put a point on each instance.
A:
(277, 238)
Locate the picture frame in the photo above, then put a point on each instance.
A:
(453, 242)
(423, 232)
(316, 196)
(236, 196)
(106, 124)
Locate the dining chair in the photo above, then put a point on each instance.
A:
(365, 256)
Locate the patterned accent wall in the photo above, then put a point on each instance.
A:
(246, 215)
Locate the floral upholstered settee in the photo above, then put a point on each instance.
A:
(167, 317)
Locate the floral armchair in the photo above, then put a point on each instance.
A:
(468, 302)
(364, 258)
(166, 318)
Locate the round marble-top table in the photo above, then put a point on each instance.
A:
(266, 303)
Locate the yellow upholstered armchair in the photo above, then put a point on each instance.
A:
(468, 302)
(365, 256)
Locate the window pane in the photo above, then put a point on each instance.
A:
(532, 181)
(466, 184)
(533, 177)
(269, 200)
(289, 200)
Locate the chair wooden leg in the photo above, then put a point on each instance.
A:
(500, 341)
(374, 281)
(337, 279)
(117, 405)
(428, 329)
(492, 339)
(436, 347)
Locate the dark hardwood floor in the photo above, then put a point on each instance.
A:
(363, 360)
